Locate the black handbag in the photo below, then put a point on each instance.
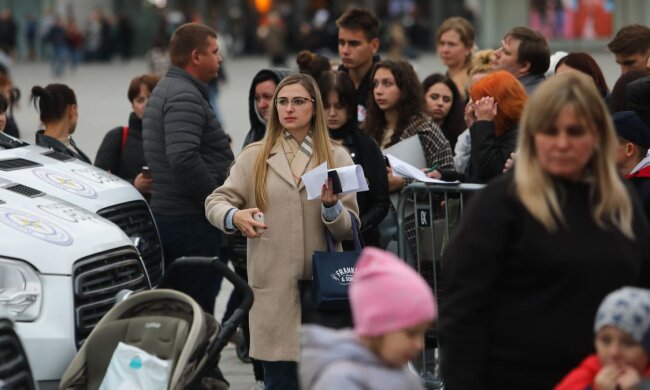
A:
(333, 272)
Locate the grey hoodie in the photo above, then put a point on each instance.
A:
(334, 359)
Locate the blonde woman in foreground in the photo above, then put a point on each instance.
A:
(266, 178)
(539, 248)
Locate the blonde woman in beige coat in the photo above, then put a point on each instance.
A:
(266, 178)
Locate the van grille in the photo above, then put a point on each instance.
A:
(14, 164)
(26, 191)
(14, 367)
(135, 219)
(97, 279)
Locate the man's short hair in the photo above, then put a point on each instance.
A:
(533, 49)
(360, 19)
(187, 38)
(631, 39)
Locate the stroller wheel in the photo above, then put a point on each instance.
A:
(241, 347)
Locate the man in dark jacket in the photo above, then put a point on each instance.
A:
(260, 101)
(525, 54)
(188, 154)
(358, 44)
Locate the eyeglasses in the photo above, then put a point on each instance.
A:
(297, 102)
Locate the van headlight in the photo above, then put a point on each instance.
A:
(20, 290)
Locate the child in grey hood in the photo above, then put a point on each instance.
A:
(392, 307)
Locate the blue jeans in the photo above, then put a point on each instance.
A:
(280, 375)
(191, 235)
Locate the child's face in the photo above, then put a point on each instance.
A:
(617, 347)
(399, 347)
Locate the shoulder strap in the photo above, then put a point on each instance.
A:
(125, 133)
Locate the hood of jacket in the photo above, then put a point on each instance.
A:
(322, 347)
(258, 125)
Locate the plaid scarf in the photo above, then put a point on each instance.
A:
(297, 155)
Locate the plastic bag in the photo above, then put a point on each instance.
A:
(133, 369)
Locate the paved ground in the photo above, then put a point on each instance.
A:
(101, 94)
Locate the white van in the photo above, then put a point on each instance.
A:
(61, 268)
(87, 187)
(73, 236)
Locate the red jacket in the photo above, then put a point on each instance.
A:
(582, 377)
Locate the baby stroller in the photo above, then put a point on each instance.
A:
(183, 333)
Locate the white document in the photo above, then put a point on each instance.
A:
(409, 150)
(352, 179)
(404, 169)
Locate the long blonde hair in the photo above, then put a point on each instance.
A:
(322, 148)
(609, 200)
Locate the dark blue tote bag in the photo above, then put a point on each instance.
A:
(333, 272)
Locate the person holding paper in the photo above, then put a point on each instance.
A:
(498, 101)
(266, 177)
(396, 112)
(339, 99)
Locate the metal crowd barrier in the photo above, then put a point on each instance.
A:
(431, 212)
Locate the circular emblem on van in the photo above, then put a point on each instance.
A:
(65, 183)
(34, 226)
(96, 175)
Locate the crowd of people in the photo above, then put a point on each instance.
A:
(556, 242)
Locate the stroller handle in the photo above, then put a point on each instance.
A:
(229, 327)
(238, 283)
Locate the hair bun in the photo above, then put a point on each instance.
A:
(39, 91)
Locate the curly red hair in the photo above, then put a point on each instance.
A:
(510, 95)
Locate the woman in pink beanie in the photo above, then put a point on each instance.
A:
(392, 307)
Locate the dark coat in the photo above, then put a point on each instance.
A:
(531, 81)
(373, 204)
(365, 88)
(186, 149)
(638, 98)
(489, 153)
(520, 301)
(56, 145)
(124, 162)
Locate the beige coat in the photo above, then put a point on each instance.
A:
(282, 255)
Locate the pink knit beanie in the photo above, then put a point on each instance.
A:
(388, 295)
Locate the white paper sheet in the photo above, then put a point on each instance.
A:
(352, 179)
(404, 169)
(314, 181)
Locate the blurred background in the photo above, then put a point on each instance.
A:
(98, 46)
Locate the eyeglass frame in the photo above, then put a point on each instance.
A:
(292, 101)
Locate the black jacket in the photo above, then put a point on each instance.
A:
(365, 88)
(373, 204)
(520, 301)
(184, 145)
(127, 162)
(489, 153)
(54, 144)
(258, 125)
(638, 98)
